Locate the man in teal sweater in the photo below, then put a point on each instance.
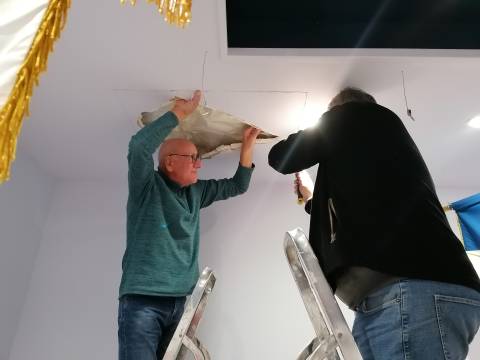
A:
(160, 264)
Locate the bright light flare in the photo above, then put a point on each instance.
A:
(475, 122)
(310, 116)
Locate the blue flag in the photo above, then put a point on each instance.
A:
(468, 212)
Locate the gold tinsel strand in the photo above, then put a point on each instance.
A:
(17, 105)
(176, 12)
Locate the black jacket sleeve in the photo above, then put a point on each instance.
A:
(299, 151)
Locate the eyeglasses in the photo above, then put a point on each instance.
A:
(194, 157)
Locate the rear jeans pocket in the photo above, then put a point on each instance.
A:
(458, 321)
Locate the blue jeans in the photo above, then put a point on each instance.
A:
(146, 324)
(417, 320)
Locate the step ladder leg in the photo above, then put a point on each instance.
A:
(184, 340)
(333, 337)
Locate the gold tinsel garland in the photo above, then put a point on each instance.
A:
(177, 12)
(17, 105)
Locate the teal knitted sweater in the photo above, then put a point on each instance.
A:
(161, 257)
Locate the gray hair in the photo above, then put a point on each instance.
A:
(351, 94)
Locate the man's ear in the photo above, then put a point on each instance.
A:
(169, 164)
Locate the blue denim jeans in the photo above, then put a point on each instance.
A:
(146, 324)
(417, 320)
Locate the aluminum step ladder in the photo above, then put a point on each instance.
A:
(333, 339)
(184, 340)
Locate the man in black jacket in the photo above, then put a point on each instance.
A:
(380, 233)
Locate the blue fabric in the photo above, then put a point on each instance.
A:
(417, 320)
(468, 212)
(146, 325)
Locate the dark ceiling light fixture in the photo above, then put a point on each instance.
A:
(342, 24)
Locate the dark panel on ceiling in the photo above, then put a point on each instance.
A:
(407, 24)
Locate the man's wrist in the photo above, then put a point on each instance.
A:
(179, 114)
(247, 163)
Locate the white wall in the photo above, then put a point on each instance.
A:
(254, 312)
(71, 304)
(24, 203)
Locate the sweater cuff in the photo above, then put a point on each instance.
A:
(243, 176)
(169, 118)
(247, 170)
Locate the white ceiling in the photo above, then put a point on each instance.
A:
(113, 62)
